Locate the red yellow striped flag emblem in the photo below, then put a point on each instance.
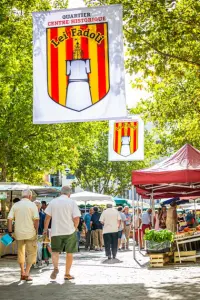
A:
(125, 140)
(78, 65)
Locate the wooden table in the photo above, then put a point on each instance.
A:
(185, 240)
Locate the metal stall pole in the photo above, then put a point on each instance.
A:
(133, 221)
(142, 206)
(153, 210)
(138, 229)
(195, 210)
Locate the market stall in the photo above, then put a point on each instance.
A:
(176, 176)
(92, 198)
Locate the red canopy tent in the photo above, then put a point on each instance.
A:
(176, 176)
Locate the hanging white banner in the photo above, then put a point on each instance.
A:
(126, 139)
(78, 65)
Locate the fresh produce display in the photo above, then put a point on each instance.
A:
(159, 236)
(198, 228)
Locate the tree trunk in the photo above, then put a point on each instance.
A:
(3, 172)
(3, 202)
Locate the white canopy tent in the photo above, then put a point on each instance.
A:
(193, 206)
(139, 204)
(92, 198)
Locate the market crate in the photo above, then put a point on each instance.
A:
(158, 260)
(181, 235)
(185, 254)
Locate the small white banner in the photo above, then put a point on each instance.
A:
(78, 65)
(126, 139)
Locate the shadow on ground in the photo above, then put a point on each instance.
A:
(70, 291)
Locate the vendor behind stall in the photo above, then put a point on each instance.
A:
(190, 219)
(171, 221)
(163, 217)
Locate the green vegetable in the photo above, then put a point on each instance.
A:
(159, 236)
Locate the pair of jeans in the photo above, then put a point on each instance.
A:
(111, 243)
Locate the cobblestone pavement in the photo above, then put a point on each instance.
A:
(96, 278)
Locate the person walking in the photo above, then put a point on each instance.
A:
(65, 216)
(110, 218)
(138, 230)
(79, 231)
(87, 224)
(121, 227)
(26, 216)
(97, 230)
(127, 228)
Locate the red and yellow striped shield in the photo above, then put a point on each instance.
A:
(125, 137)
(78, 65)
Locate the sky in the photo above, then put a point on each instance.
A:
(132, 95)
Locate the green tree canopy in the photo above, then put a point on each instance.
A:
(28, 150)
(163, 49)
(93, 170)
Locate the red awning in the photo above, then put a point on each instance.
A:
(176, 176)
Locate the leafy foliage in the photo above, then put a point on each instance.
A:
(28, 151)
(93, 169)
(163, 50)
(159, 236)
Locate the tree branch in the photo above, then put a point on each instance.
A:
(167, 54)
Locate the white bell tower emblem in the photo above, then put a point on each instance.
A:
(125, 146)
(78, 95)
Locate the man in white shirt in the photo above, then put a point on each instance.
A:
(65, 216)
(110, 218)
(26, 216)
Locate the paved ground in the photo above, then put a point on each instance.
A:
(97, 279)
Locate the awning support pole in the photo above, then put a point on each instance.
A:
(133, 221)
(153, 209)
(138, 229)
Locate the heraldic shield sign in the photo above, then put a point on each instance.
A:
(126, 139)
(78, 65)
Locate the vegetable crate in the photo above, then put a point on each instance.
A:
(184, 255)
(158, 260)
(155, 247)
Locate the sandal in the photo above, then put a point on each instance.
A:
(54, 274)
(28, 278)
(23, 277)
(68, 277)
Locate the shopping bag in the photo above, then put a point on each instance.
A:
(39, 250)
(45, 255)
(123, 238)
(46, 252)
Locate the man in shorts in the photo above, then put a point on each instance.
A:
(26, 217)
(65, 216)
